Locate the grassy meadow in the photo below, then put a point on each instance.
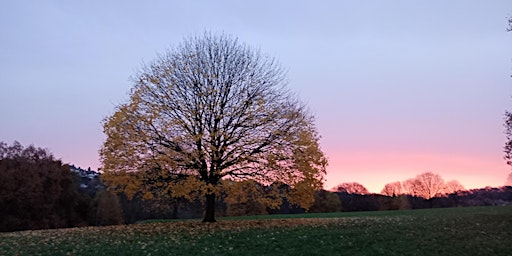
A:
(453, 231)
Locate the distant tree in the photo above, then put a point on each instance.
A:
(214, 109)
(36, 190)
(326, 201)
(453, 186)
(426, 185)
(351, 188)
(392, 189)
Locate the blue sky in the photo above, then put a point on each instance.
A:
(398, 87)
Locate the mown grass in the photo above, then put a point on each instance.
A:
(456, 231)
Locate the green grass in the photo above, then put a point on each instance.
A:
(455, 231)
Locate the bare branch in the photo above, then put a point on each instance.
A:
(214, 107)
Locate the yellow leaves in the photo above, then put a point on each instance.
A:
(303, 194)
(154, 80)
(248, 198)
(189, 188)
(186, 118)
(140, 238)
(242, 191)
(308, 166)
(147, 196)
(127, 183)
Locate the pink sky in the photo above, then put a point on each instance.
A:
(375, 170)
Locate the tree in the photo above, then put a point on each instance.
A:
(326, 201)
(351, 188)
(452, 187)
(426, 185)
(209, 110)
(248, 197)
(36, 190)
(106, 209)
(392, 189)
(508, 122)
(160, 187)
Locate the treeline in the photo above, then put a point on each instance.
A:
(325, 201)
(253, 200)
(376, 202)
(39, 192)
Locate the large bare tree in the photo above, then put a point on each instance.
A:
(392, 189)
(209, 109)
(452, 187)
(426, 185)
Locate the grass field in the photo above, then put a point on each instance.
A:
(454, 231)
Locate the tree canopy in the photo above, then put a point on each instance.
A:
(36, 190)
(213, 108)
(392, 189)
(351, 188)
(429, 185)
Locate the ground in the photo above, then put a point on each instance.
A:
(454, 231)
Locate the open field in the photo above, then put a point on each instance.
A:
(455, 231)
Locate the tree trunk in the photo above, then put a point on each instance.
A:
(209, 214)
(176, 204)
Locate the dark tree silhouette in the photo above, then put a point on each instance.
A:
(326, 201)
(36, 190)
(211, 109)
(106, 209)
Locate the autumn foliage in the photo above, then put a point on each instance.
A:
(37, 191)
(209, 110)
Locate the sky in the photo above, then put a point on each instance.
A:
(397, 87)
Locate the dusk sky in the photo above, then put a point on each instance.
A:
(398, 87)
